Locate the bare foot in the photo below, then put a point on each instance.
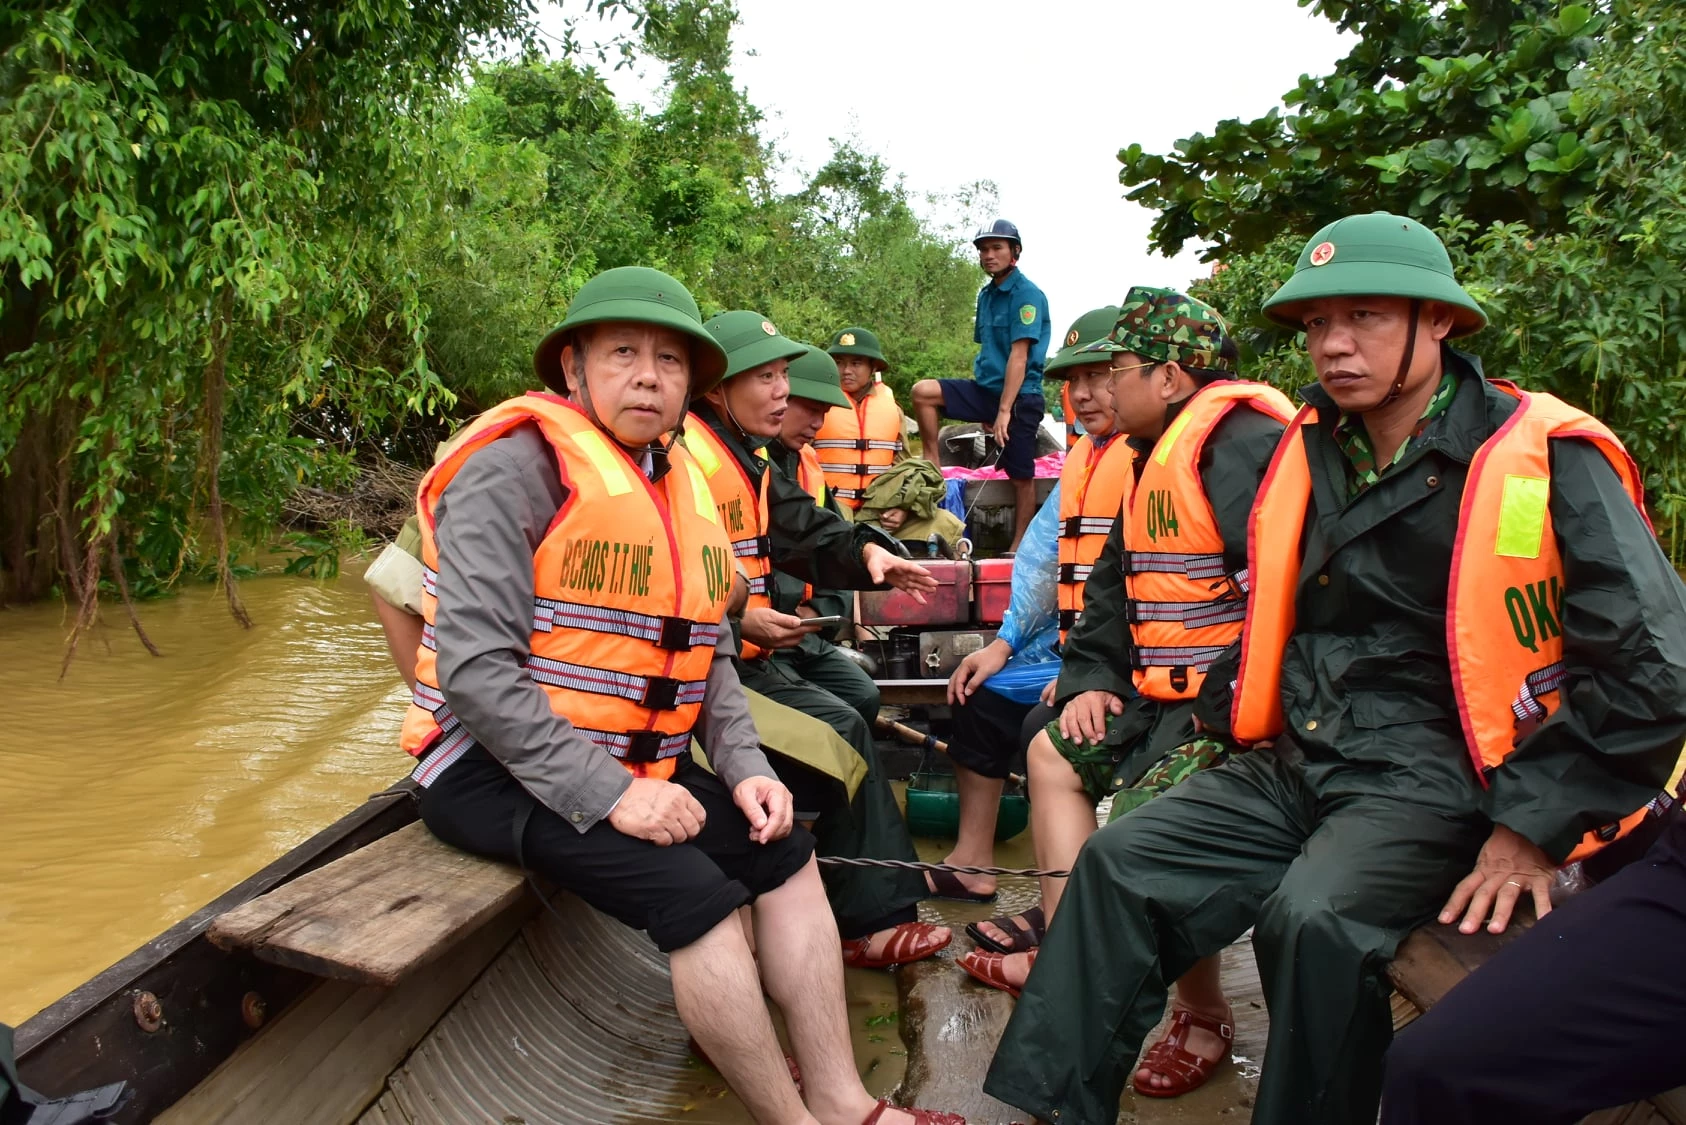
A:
(974, 884)
(1015, 967)
(878, 944)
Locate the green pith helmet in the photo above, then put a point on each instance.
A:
(749, 340)
(643, 296)
(1375, 255)
(861, 342)
(1092, 327)
(813, 376)
(1166, 326)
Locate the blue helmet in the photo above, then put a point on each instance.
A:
(1000, 228)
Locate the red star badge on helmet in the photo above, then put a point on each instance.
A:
(1322, 253)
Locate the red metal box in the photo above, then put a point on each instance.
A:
(949, 604)
(994, 580)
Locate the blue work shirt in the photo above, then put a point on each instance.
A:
(1012, 310)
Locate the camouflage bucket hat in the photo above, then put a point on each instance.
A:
(1166, 326)
(1091, 328)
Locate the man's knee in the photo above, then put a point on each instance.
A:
(1049, 770)
(1297, 917)
(927, 392)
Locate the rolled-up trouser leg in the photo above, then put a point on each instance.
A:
(1585, 1011)
(867, 899)
(1374, 868)
(1173, 881)
(821, 664)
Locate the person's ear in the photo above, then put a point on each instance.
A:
(570, 361)
(1440, 320)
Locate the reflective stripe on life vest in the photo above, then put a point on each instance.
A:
(1180, 598)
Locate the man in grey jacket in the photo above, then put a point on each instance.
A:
(512, 769)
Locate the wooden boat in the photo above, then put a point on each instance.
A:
(374, 976)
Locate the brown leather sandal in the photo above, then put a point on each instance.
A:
(920, 1116)
(909, 942)
(1186, 1070)
(985, 968)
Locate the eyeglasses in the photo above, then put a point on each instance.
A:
(1132, 367)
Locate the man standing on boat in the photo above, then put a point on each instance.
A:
(1005, 390)
(862, 438)
(1463, 663)
(577, 578)
(774, 524)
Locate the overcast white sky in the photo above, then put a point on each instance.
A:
(1036, 96)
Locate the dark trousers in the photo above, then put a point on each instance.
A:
(676, 893)
(821, 664)
(1330, 878)
(991, 732)
(1584, 1011)
(864, 899)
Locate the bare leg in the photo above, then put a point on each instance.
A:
(927, 411)
(980, 802)
(719, 998)
(1062, 817)
(1200, 991)
(804, 975)
(1024, 506)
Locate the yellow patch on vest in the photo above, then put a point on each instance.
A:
(1162, 451)
(1522, 517)
(703, 451)
(699, 493)
(615, 482)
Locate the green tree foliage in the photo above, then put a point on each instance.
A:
(1441, 109)
(246, 244)
(204, 203)
(1586, 301)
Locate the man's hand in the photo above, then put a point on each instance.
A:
(767, 804)
(1048, 691)
(658, 811)
(769, 628)
(1084, 717)
(1508, 865)
(891, 519)
(1003, 418)
(904, 574)
(975, 669)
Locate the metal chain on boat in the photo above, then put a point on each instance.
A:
(917, 865)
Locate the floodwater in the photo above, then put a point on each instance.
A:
(139, 788)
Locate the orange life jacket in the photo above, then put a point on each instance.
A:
(810, 474)
(1095, 484)
(1504, 595)
(743, 513)
(1183, 606)
(630, 584)
(858, 443)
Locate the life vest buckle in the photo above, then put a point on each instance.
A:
(643, 746)
(863, 444)
(1068, 618)
(1071, 527)
(1179, 678)
(1068, 572)
(675, 635)
(661, 693)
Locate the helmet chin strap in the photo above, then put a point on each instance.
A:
(1410, 351)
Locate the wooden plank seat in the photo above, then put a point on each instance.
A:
(374, 916)
(1436, 957)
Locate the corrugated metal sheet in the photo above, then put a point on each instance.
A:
(572, 1023)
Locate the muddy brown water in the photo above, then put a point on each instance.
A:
(137, 789)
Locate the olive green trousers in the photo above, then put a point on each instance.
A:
(863, 899)
(1331, 880)
(821, 664)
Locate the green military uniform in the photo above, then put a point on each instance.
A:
(813, 376)
(813, 545)
(1354, 827)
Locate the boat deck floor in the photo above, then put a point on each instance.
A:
(575, 1023)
